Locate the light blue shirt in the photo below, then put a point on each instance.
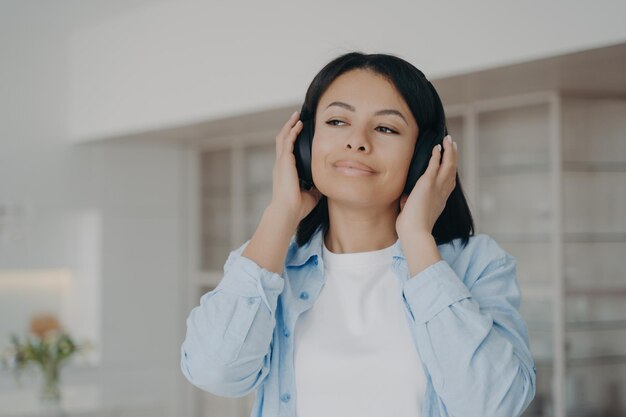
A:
(463, 313)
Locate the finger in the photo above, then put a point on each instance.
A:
(448, 162)
(289, 141)
(284, 131)
(447, 172)
(433, 163)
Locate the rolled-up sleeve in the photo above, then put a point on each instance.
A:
(473, 341)
(227, 347)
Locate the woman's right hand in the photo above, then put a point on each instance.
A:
(287, 196)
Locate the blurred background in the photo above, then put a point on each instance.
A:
(137, 146)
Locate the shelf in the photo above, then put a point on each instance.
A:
(568, 237)
(594, 166)
(584, 326)
(539, 326)
(513, 169)
(536, 291)
(597, 360)
(610, 237)
(543, 362)
(590, 361)
(521, 237)
(596, 292)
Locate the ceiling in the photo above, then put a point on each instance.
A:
(595, 72)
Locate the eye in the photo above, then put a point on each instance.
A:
(389, 130)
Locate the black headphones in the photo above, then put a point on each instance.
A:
(426, 141)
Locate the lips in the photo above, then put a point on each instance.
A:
(350, 163)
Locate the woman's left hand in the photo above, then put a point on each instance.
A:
(420, 210)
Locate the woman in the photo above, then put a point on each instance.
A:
(382, 303)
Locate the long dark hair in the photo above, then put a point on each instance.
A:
(456, 219)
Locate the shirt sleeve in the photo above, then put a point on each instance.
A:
(473, 341)
(227, 347)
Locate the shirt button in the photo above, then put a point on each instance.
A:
(251, 300)
(286, 332)
(285, 398)
(315, 260)
(304, 295)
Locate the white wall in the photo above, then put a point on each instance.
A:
(132, 197)
(177, 62)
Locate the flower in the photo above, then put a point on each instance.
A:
(43, 324)
(48, 346)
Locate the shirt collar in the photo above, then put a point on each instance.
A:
(313, 248)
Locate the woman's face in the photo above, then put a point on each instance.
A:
(361, 117)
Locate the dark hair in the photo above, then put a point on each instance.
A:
(456, 219)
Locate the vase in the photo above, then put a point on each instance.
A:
(50, 388)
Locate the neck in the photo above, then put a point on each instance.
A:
(360, 230)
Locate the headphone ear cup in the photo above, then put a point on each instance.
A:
(302, 152)
(421, 157)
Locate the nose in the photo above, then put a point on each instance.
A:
(359, 140)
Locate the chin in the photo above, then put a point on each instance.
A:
(349, 194)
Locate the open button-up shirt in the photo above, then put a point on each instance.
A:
(463, 313)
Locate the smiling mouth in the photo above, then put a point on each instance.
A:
(353, 172)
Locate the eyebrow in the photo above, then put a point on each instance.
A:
(379, 112)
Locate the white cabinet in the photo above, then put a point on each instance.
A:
(233, 187)
(545, 175)
(549, 184)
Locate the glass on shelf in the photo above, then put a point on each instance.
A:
(515, 136)
(596, 390)
(256, 203)
(534, 263)
(594, 202)
(537, 315)
(600, 138)
(216, 219)
(260, 164)
(215, 170)
(215, 209)
(596, 345)
(591, 306)
(541, 343)
(516, 205)
(597, 265)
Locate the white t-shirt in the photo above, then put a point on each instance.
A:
(353, 351)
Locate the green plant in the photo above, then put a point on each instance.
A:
(47, 346)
